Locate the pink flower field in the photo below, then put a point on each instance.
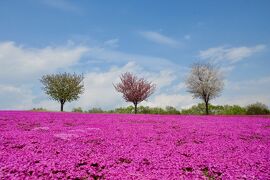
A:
(46, 145)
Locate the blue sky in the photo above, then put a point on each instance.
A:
(155, 39)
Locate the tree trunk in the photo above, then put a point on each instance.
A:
(206, 108)
(135, 105)
(62, 105)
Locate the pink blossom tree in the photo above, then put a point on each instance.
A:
(134, 89)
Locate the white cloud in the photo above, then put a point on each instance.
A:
(112, 43)
(15, 97)
(21, 65)
(244, 100)
(225, 70)
(113, 56)
(159, 38)
(18, 62)
(99, 90)
(47, 104)
(163, 78)
(175, 100)
(232, 55)
(249, 86)
(179, 87)
(246, 92)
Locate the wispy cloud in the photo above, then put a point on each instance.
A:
(112, 56)
(64, 5)
(112, 43)
(159, 38)
(233, 54)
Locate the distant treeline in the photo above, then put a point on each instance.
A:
(199, 109)
(252, 109)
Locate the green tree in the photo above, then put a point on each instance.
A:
(144, 110)
(257, 108)
(216, 109)
(78, 109)
(39, 109)
(124, 110)
(157, 110)
(233, 110)
(195, 109)
(63, 87)
(95, 110)
(171, 110)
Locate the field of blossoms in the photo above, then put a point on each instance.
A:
(46, 145)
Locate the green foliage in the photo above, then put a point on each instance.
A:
(215, 110)
(233, 110)
(78, 109)
(39, 109)
(257, 108)
(124, 110)
(172, 110)
(95, 110)
(198, 109)
(146, 110)
(63, 87)
(157, 110)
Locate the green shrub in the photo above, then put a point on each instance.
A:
(199, 109)
(257, 109)
(234, 110)
(146, 110)
(78, 109)
(157, 110)
(39, 109)
(215, 110)
(196, 109)
(124, 110)
(95, 110)
(171, 110)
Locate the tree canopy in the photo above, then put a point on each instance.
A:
(204, 82)
(63, 87)
(134, 89)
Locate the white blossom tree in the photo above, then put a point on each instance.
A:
(205, 82)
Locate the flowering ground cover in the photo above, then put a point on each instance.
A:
(50, 145)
